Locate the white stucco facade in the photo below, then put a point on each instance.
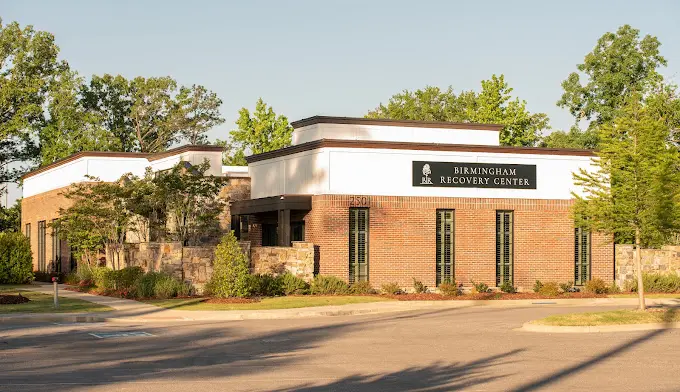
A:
(411, 134)
(388, 172)
(112, 167)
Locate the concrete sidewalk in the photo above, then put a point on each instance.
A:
(129, 310)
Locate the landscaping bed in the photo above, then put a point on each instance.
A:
(614, 317)
(10, 299)
(488, 296)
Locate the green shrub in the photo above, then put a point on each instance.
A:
(391, 288)
(328, 285)
(550, 289)
(630, 285)
(230, 270)
(418, 286)
(614, 289)
(658, 283)
(507, 287)
(480, 287)
(538, 286)
(363, 287)
(567, 287)
(449, 288)
(16, 260)
(102, 277)
(292, 284)
(159, 285)
(265, 285)
(72, 278)
(596, 286)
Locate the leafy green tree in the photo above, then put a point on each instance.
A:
(10, 218)
(620, 66)
(634, 191)
(28, 62)
(493, 104)
(72, 128)
(232, 155)
(110, 98)
(154, 115)
(575, 138)
(200, 112)
(263, 131)
(230, 270)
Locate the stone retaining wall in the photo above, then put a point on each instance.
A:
(195, 263)
(664, 261)
(276, 260)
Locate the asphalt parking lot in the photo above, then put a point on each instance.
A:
(472, 349)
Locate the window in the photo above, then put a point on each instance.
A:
(445, 246)
(56, 248)
(236, 226)
(581, 256)
(297, 231)
(269, 235)
(28, 232)
(41, 246)
(358, 244)
(504, 247)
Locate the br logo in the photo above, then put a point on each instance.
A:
(426, 180)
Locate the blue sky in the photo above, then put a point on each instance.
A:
(343, 57)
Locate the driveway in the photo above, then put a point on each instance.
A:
(475, 349)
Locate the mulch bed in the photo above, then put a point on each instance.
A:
(230, 300)
(8, 299)
(488, 296)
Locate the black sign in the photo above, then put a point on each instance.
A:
(474, 175)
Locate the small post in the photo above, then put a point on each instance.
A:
(55, 282)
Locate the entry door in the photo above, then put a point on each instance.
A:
(445, 246)
(358, 244)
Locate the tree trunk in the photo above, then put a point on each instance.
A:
(638, 269)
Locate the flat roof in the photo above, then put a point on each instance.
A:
(392, 123)
(118, 154)
(315, 144)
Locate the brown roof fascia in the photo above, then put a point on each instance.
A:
(120, 154)
(394, 123)
(316, 144)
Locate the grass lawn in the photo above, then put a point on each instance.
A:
(43, 303)
(655, 295)
(615, 317)
(265, 303)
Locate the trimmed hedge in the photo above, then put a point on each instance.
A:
(657, 283)
(16, 260)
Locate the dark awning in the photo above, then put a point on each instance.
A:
(268, 204)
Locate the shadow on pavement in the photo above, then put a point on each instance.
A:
(433, 378)
(546, 381)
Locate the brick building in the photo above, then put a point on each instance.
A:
(389, 201)
(43, 191)
(380, 200)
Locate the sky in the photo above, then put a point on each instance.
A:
(343, 58)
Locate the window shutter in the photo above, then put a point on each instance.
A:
(358, 244)
(445, 270)
(581, 256)
(504, 247)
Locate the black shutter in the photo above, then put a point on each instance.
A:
(581, 256)
(358, 244)
(41, 246)
(504, 247)
(445, 246)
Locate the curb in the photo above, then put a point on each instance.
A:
(529, 327)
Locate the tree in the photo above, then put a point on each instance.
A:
(492, 105)
(263, 131)
(620, 66)
(110, 98)
(154, 115)
(10, 218)
(575, 138)
(71, 127)
(200, 111)
(28, 63)
(633, 192)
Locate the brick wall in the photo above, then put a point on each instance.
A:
(402, 237)
(45, 207)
